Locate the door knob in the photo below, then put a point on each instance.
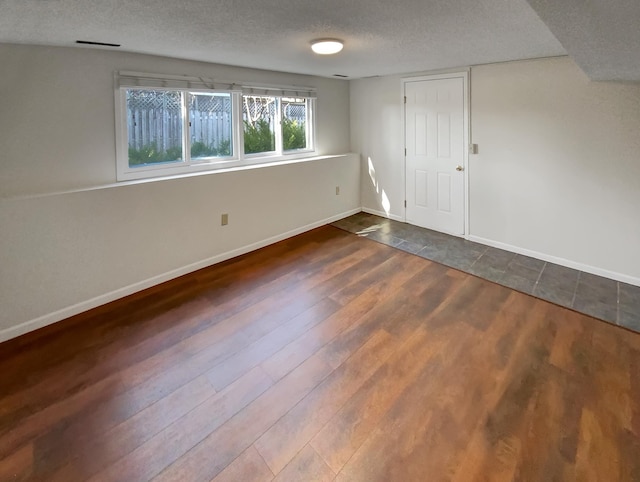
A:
(459, 168)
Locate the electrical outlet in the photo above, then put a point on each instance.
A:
(225, 220)
(337, 190)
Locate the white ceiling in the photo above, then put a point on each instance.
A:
(602, 36)
(381, 36)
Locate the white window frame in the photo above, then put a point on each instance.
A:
(309, 133)
(133, 80)
(279, 153)
(267, 155)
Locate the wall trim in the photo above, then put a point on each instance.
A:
(632, 280)
(50, 318)
(395, 217)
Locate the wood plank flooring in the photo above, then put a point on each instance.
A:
(323, 357)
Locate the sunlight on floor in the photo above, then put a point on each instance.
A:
(369, 230)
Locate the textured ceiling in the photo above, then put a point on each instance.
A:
(602, 36)
(381, 36)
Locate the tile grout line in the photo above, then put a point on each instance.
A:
(618, 303)
(535, 285)
(575, 290)
(486, 248)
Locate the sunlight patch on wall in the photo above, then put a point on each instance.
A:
(372, 174)
(384, 199)
(386, 204)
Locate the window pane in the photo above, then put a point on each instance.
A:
(210, 121)
(294, 123)
(154, 127)
(258, 116)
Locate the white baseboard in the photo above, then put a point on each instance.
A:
(561, 261)
(383, 214)
(48, 319)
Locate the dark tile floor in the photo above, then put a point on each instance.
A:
(593, 295)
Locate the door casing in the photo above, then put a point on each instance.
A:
(464, 75)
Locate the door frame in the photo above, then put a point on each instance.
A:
(464, 75)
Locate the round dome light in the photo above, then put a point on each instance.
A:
(326, 46)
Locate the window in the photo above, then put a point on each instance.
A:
(169, 125)
(270, 122)
(154, 127)
(157, 121)
(294, 124)
(259, 115)
(210, 125)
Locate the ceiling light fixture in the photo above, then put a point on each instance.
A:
(327, 46)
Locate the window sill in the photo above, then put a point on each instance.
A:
(259, 164)
(215, 165)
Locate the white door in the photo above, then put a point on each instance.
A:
(435, 141)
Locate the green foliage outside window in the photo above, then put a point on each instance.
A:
(258, 137)
(150, 154)
(293, 135)
(200, 149)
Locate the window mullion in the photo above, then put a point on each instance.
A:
(278, 127)
(238, 126)
(310, 128)
(186, 128)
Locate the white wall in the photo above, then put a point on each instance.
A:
(65, 252)
(558, 170)
(377, 134)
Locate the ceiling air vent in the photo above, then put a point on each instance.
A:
(101, 44)
(342, 76)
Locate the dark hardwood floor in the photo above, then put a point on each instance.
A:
(323, 357)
